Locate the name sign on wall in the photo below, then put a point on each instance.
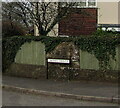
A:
(59, 61)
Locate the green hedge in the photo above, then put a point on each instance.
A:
(101, 47)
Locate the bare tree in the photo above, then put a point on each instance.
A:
(45, 15)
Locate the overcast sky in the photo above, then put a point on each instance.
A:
(62, 0)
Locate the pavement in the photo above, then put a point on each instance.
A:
(82, 90)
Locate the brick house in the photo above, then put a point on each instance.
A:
(87, 17)
(81, 21)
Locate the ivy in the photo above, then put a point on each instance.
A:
(102, 47)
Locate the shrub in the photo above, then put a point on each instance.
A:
(100, 32)
(11, 29)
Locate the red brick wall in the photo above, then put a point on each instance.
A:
(82, 21)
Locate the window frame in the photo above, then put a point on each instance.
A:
(87, 4)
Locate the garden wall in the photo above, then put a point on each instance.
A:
(29, 61)
(83, 66)
(31, 53)
(89, 61)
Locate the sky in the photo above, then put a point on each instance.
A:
(61, 0)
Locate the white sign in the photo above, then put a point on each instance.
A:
(58, 61)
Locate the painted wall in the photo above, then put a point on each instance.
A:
(88, 61)
(119, 13)
(54, 31)
(107, 12)
(31, 53)
(36, 32)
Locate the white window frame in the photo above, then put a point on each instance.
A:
(87, 5)
(95, 4)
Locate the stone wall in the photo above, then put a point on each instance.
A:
(77, 74)
(27, 70)
(74, 71)
(66, 50)
(57, 71)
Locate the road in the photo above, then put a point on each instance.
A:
(11, 98)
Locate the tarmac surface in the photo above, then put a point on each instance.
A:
(11, 98)
(76, 88)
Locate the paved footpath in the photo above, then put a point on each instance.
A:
(95, 91)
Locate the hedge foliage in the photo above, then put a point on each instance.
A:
(10, 29)
(102, 47)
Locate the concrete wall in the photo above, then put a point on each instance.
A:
(107, 12)
(88, 61)
(31, 53)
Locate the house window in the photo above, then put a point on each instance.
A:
(81, 3)
(92, 3)
(87, 3)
